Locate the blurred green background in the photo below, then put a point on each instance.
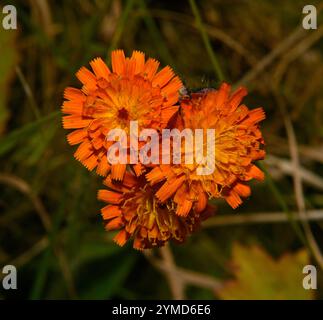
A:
(50, 226)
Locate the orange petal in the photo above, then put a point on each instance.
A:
(255, 172)
(103, 167)
(233, 199)
(255, 116)
(138, 168)
(118, 61)
(100, 69)
(237, 97)
(83, 151)
(143, 233)
(110, 211)
(114, 224)
(97, 142)
(117, 171)
(75, 122)
(151, 67)
(111, 184)
(172, 98)
(139, 58)
(87, 78)
(184, 208)
(130, 68)
(163, 77)
(169, 188)
(173, 86)
(91, 162)
(74, 94)
(260, 155)
(72, 107)
(155, 175)
(138, 244)
(201, 203)
(129, 180)
(121, 238)
(221, 96)
(110, 196)
(77, 136)
(242, 189)
(167, 114)
(153, 233)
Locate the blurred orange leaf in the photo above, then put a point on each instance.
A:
(259, 276)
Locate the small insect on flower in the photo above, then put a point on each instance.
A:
(134, 210)
(133, 90)
(236, 145)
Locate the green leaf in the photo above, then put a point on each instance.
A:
(90, 251)
(107, 276)
(34, 147)
(11, 140)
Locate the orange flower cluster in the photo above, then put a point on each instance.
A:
(153, 204)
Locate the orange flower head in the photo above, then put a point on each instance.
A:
(134, 210)
(237, 143)
(133, 90)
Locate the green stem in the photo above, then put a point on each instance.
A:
(206, 40)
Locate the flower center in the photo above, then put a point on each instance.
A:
(123, 114)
